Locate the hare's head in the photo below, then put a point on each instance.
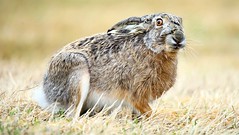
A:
(163, 32)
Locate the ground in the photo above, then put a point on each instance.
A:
(204, 99)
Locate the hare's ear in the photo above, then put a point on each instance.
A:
(180, 20)
(125, 23)
(126, 26)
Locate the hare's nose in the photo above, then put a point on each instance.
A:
(178, 36)
(179, 39)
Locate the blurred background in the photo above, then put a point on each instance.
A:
(31, 31)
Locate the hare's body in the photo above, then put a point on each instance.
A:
(111, 68)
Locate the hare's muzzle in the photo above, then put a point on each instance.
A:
(176, 40)
(179, 39)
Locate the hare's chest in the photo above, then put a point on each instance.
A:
(155, 80)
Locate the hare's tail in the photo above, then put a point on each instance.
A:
(39, 96)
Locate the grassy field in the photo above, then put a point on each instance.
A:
(204, 99)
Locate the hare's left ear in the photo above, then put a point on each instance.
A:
(130, 25)
(180, 20)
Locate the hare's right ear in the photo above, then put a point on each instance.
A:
(130, 25)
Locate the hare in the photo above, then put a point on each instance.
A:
(131, 64)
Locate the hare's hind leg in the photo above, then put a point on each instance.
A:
(67, 81)
(83, 91)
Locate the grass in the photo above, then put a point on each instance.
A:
(204, 99)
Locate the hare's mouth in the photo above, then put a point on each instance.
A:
(173, 44)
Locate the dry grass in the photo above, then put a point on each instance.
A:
(203, 101)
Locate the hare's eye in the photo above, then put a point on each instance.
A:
(159, 22)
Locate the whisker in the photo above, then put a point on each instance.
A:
(189, 50)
